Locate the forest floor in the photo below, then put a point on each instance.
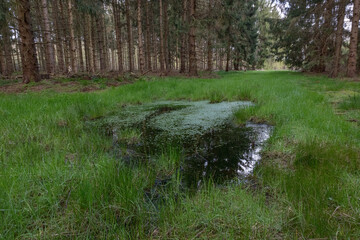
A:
(60, 84)
(58, 178)
(84, 82)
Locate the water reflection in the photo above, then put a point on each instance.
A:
(212, 146)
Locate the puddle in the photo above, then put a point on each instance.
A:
(212, 146)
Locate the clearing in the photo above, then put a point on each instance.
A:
(71, 165)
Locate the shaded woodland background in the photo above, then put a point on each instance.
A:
(44, 38)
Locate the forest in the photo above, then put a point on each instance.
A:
(179, 119)
(84, 36)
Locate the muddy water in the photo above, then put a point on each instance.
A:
(212, 146)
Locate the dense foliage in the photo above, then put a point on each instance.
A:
(317, 35)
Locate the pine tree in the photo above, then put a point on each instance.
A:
(351, 68)
(29, 62)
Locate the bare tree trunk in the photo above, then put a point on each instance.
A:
(100, 43)
(162, 50)
(117, 20)
(140, 39)
(148, 38)
(166, 36)
(42, 56)
(228, 58)
(63, 31)
(58, 34)
(209, 41)
(18, 53)
(351, 69)
(49, 48)
(86, 42)
(221, 58)
(183, 39)
(154, 50)
(2, 61)
(339, 37)
(88, 45)
(30, 63)
(209, 55)
(192, 40)
(81, 56)
(105, 43)
(326, 28)
(130, 37)
(93, 40)
(7, 46)
(72, 38)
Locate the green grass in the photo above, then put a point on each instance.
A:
(59, 179)
(352, 103)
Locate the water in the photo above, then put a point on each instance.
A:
(213, 147)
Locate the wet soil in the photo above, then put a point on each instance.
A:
(211, 145)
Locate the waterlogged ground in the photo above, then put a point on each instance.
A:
(61, 178)
(211, 145)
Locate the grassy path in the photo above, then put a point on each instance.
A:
(58, 179)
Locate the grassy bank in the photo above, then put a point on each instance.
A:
(58, 178)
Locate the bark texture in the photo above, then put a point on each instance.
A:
(184, 39)
(118, 27)
(72, 39)
(351, 68)
(29, 63)
(339, 37)
(192, 39)
(49, 47)
(162, 47)
(130, 36)
(140, 38)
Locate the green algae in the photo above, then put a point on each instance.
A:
(212, 146)
(173, 118)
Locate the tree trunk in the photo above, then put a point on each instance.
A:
(184, 35)
(49, 48)
(140, 38)
(351, 68)
(2, 62)
(72, 39)
(18, 54)
(88, 45)
(339, 37)
(166, 36)
(153, 46)
(209, 41)
(148, 38)
(192, 39)
(228, 58)
(59, 41)
(118, 26)
(162, 49)
(93, 40)
(9, 68)
(105, 43)
(81, 57)
(63, 31)
(130, 37)
(221, 58)
(41, 54)
(100, 43)
(30, 63)
(326, 30)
